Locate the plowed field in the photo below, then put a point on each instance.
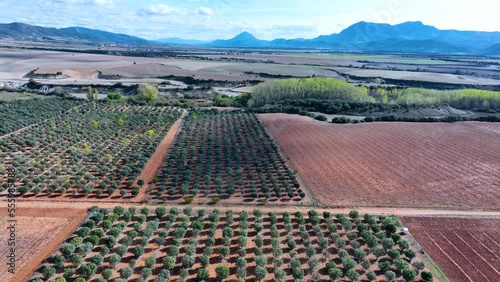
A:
(465, 249)
(394, 164)
(38, 234)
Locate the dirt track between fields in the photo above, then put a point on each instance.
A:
(401, 212)
(154, 162)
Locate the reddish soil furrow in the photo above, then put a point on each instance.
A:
(394, 164)
(465, 249)
(39, 233)
(442, 255)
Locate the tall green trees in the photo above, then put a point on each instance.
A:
(148, 92)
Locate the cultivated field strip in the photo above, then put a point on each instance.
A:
(393, 164)
(88, 152)
(19, 114)
(39, 232)
(465, 249)
(224, 154)
(159, 244)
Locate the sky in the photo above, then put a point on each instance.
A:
(266, 19)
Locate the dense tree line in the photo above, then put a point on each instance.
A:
(331, 89)
(310, 88)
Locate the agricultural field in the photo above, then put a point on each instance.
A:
(21, 113)
(208, 245)
(394, 164)
(419, 76)
(6, 96)
(89, 152)
(465, 249)
(225, 155)
(39, 232)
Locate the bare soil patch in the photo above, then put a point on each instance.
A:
(394, 164)
(465, 249)
(39, 232)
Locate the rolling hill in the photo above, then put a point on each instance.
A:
(20, 31)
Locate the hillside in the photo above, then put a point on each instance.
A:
(20, 31)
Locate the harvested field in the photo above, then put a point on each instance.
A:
(38, 234)
(394, 164)
(422, 76)
(465, 249)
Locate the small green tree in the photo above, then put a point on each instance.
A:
(107, 273)
(126, 272)
(260, 273)
(148, 92)
(48, 272)
(427, 276)
(390, 275)
(222, 272)
(90, 93)
(203, 275)
(409, 275)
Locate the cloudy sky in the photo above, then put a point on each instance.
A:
(266, 19)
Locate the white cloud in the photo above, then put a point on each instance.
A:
(204, 11)
(162, 9)
(95, 2)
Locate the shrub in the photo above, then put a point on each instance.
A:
(390, 275)
(146, 272)
(427, 276)
(203, 275)
(352, 274)
(126, 272)
(215, 200)
(222, 272)
(260, 272)
(48, 272)
(335, 273)
(107, 273)
(188, 200)
(409, 275)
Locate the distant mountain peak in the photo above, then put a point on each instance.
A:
(245, 35)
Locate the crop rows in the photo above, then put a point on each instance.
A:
(393, 164)
(223, 154)
(18, 114)
(170, 245)
(89, 152)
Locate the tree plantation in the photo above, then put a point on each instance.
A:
(224, 154)
(159, 244)
(91, 151)
(18, 114)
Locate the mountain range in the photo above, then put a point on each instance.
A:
(25, 32)
(362, 36)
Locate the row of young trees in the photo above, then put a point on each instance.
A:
(333, 89)
(21, 113)
(87, 151)
(223, 154)
(163, 245)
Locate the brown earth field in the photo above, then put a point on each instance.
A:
(38, 234)
(465, 249)
(394, 164)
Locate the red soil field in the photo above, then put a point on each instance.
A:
(465, 249)
(394, 164)
(39, 232)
